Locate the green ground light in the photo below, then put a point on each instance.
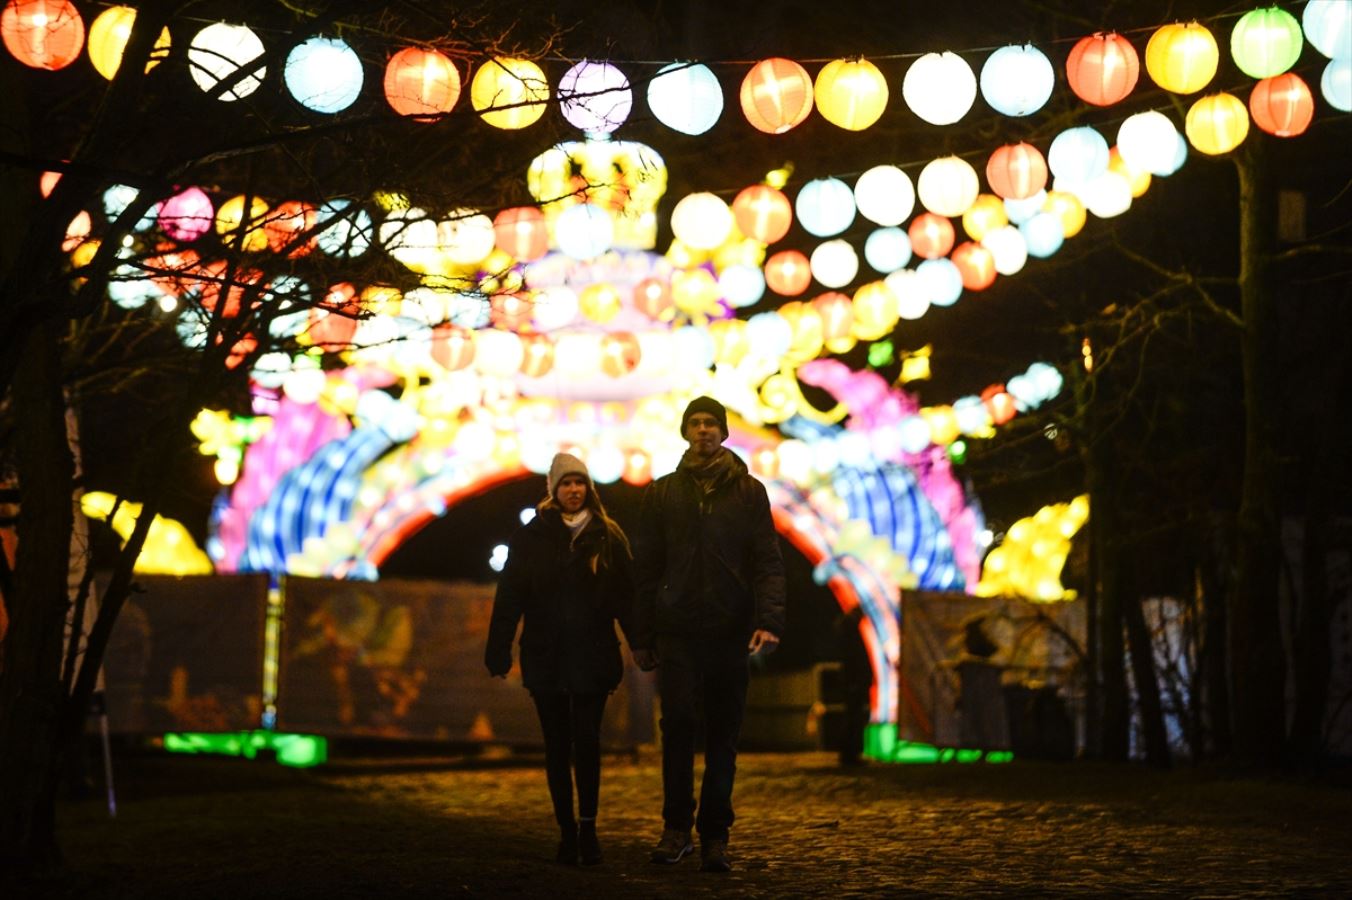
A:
(299, 750)
(881, 743)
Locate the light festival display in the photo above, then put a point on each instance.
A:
(559, 326)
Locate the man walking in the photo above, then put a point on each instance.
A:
(710, 592)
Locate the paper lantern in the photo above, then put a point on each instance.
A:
(834, 263)
(287, 223)
(837, 315)
(1182, 58)
(1282, 105)
(948, 186)
(909, 289)
(509, 93)
(1146, 142)
(620, 354)
(941, 281)
(466, 236)
(741, 285)
(851, 93)
(218, 51)
(762, 213)
(769, 335)
(939, 88)
(931, 236)
(875, 311)
(324, 75)
(1336, 84)
(1108, 195)
(1016, 171)
(1017, 80)
(521, 232)
(1102, 69)
(825, 207)
(730, 341)
(985, 214)
(652, 297)
(686, 97)
(1043, 234)
(510, 312)
(421, 83)
(884, 195)
(1068, 208)
(976, 265)
(584, 231)
(595, 97)
(108, 36)
(788, 273)
(350, 229)
(555, 307)
(1079, 155)
(1138, 181)
(600, 302)
(776, 95)
(1020, 211)
(701, 220)
(43, 34)
(695, 292)
(537, 355)
(887, 249)
(1000, 403)
(188, 215)
(1217, 123)
(1266, 42)
(1328, 27)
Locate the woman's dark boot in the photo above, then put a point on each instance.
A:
(589, 848)
(567, 854)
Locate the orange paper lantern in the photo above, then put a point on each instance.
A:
(334, 321)
(788, 273)
(44, 34)
(421, 83)
(286, 223)
(1102, 69)
(522, 233)
(837, 315)
(931, 236)
(537, 356)
(1282, 105)
(976, 264)
(510, 312)
(762, 213)
(652, 297)
(999, 403)
(1017, 171)
(619, 354)
(776, 95)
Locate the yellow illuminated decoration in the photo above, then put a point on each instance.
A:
(169, 548)
(1028, 563)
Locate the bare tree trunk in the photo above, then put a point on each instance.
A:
(1147, 684)
(1258, 671)
(1215, 671)
(1313, 658)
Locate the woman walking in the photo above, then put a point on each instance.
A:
(568, 576)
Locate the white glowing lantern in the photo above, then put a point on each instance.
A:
(911, 293)
(939, 88)
(825, 207)
(940, 280)
(694, 348)
(948, 186)
(834, 263)
(1078, 155)
(219, 51)
(887, 249)
(972, 416)
(1020, 211)
(885, 195)
(595, 97)
(1328, 27)
(1017, 80)
(741, 285)
(1008, 248)
(1108, 195)
(577, 355)
(769, 334)
(913, 433)
(305, 382)
(584, 231)
(1147, 142)
(323, 74)
(686, 97)
(554, 308)
(702, 221)
(795, 461)
(655, 351)
(466, 236)
(605, 463)
(1044, 234)
(350, 232)
(1336, 84)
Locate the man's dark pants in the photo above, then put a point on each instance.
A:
(707, 673)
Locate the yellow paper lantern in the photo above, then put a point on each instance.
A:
(875, 311)
(509, 93)
(694, 292)
(108, 37)
(948, 186)
(851, 93)
(1218, 123)
(701, 220)
(230, 218)
(985, 214)
(1182, 58)
(1138, 181)
(731, 341)
(806, 325)
(599, 302)
(1068, 208)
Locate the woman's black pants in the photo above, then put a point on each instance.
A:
(572, 729)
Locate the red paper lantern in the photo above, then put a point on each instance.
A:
(1016, 171)
(240, 350)
(1282, 105)
(652, 297)
(788, 273)
(837, 315)
(999, 403)
(334, 320)
(44, 34)
(453, 347)
(776, 95)
(510, 312)
(931, 235)
(1103, 68)
(421, 83)
(537, 356)
(620, 354)
(762, 213)
(638, 468)
(286, 223)
(522, 233)
(976, 264)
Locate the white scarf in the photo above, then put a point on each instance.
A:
(576, 522)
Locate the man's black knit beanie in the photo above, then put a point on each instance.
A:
(706, 405)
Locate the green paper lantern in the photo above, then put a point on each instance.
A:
(1266, 42)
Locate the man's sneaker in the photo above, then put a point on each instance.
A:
(714, 856)
(673, 846)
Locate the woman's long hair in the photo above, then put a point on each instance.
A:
(598, 509)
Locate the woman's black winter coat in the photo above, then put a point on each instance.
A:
(568, 642)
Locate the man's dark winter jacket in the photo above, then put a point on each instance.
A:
(568, 642)
(707, 563)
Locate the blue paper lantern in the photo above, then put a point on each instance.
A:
(1328, 27)
(1078, 155)
(1044, 234)
(350, 232)
(887, 249)
(941, 281)
(825, 206)
(1336, 84)
(686, 97)
(1017, 80)
(324, 75)
(1020, 211)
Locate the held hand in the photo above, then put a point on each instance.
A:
(763, 643)
(646, 660)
